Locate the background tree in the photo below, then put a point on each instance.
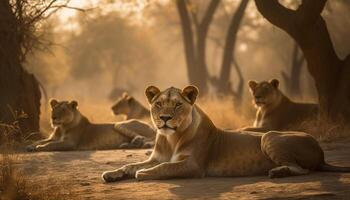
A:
(309, 30)
(195, 45)
(20, 35)
(123, 51)
(292, 78)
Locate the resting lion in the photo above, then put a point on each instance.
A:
(189, 145)
(73, 131)
(275, 111)
(130, 107)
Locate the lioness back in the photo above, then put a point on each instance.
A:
(275, 111)
(242, 148)
(130, 107)
(100, 136)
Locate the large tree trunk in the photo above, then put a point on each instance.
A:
(19, 90)
(308, 28)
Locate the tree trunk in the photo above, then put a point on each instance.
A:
(19, 90)
(196, 75)
(224, 86)
(292, 80)
(308, 28)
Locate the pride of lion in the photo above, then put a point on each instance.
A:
(188, 145)
(185, 141)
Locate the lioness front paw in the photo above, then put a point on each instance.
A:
(40, 147)
(112, 176)
(280, 172)
(145, 174)
(126, 145)
(141, 174)
(148, 145)
(30, 148)
(138, 141)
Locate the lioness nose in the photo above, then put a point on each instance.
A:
(165, 118)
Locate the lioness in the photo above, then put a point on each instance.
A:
(73, 131)
(130, 107)
(275, 111)
(189, 145)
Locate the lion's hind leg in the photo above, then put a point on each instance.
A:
(135, 130)
(280, 149)
(288, 169)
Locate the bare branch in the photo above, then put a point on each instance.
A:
(208, 16)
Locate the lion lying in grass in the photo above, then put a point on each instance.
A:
(73, 131)
(131, 108)
(189, 145)
(275, 111)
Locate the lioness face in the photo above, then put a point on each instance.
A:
(171, 109)
(265, 92)
(63, 112)
(123, 104)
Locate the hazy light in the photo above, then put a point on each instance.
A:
(243, 47)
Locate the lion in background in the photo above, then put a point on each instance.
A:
(275, 111)
(189, 145)
(73, 131)
(131, 108)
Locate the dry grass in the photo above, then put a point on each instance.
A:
(224, 114)
(14, 185)
(326, 131)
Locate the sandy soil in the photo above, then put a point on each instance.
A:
(82, 170)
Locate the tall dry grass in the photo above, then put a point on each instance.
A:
(225, 114)
(325, 130)
(15, 185)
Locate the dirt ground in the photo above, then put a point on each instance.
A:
(82, 170)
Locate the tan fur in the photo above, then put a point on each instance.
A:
(275, 111)
(131, 108)
(73, 131)
(189, 145)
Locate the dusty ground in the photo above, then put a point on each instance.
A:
(82, 171)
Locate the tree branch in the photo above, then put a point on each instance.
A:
(208, 16)
(277, 14)
(309, 11)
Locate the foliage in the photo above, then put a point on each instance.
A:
(109, 42)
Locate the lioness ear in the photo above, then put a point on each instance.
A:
(151, 92)
(274, 82)
(129, 99)
(125, 95)
(53, 102)
(190, 93)
(252, 84)
(73, 104)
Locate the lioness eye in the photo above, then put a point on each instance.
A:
(158, 104)
(178, 104)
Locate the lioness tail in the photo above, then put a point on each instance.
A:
(331, 168)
